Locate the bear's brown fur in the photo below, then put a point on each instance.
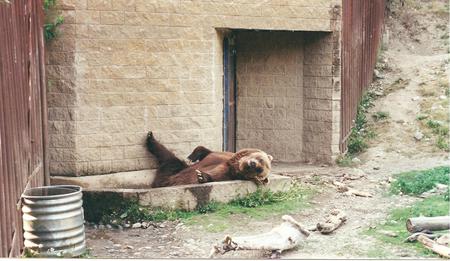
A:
(208, 166)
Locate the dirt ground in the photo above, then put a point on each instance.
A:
(417, 52)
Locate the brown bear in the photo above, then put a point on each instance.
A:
(208, 166)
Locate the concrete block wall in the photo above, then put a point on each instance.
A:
(270, 92)
(120, 68)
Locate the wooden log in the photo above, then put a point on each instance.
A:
(418, 224)
(433, 246)
(334, 220)
(444, 240)
(413, 237)
(285, 236)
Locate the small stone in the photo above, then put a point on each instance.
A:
(418, 135)
(377, 74)
(95, 226)
(400, 121)
(388, 233)
(442, 97)
(356, 160)
(376, 168)
(129, 247)
(136, 225)
(101, 226)
(119, 227)
(162, 226)
(108, 226)
(127, 225)
(378, 93)
(117, 245)
(145, 225)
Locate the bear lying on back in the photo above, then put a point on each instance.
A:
(208, 166)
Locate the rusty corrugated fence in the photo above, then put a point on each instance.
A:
(362, 25)
(22, 114)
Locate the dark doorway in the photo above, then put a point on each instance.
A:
(229, 83)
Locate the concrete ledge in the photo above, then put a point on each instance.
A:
(188, 197)
(136, 184)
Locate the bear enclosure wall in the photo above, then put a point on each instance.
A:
(23, 114)
(121, 68)
(362, 25)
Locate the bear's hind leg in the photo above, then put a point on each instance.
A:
(168, 163)
(199, 153)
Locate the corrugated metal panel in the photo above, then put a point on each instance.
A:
(22, 112)
(362, 23)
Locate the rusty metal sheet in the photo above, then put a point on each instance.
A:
(362, 24)
(22, 114)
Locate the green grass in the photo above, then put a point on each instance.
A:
(344, 160)
(258, 204)
(360, 133)
(253, 207)
(396, 222)
(412, 183)
(417, 182)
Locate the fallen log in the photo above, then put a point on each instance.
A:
(334, 220)
(418, 224)
(444, 240)
(282, 237)
(433, 246)
(413, 237)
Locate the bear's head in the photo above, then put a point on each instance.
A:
(255, 165)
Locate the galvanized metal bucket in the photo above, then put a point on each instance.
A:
(53, 221)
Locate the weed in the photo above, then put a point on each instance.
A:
(344, 160)
(357, 142)
(443, 143)
(380, 115)
(51, 23)
(421, 117)
(417, 182)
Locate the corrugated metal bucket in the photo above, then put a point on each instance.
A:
(53, 221)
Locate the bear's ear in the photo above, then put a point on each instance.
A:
(270, 157)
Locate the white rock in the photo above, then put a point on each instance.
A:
(418, 135)
(415, 98)
(136, 225)
(442, 97)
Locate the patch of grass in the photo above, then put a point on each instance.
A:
(259, 203)
(380, 115)
(417, 182)
(344, 160)
(398, 84)
(442, 131)
(396, 222)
